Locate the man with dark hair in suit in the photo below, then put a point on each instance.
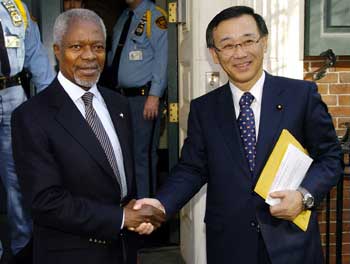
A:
(231, 134)
(72, 147)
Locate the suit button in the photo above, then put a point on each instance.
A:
(258, 228)
(252, 224)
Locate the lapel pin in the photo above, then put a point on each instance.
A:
(279, 107)
(121, 115)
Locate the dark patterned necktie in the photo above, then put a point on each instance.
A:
(101, 134)
(4, 59)
(246, 124)
(118, 52)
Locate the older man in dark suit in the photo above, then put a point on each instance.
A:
(73, 153)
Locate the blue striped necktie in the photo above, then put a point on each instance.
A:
(102, 136)
(246, 124)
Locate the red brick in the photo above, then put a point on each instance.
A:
(333, 216)
(332, 227)
(345, 259)
(344, 100)
(341, 121)
(339, 111)
(330, 99)
(333, 238)
(340, 132)
(342, 58)
(308, 77)
(345, 248)
(316, 65)
(346, 205)
(344, 77)
(313, 58)
(323, 88)
(334, 193)
(332, 259)
(347, 169)
(329, 78)
(339, 89)
(342, 66)
(335, 121)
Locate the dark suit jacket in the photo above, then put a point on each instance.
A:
(67, 181)
(213, 154)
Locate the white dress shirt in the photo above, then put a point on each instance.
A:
(75, 92)
(256, 91)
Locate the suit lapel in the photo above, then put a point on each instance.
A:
(120, 122)
(270, 121)
(227, 121)
(74, 123)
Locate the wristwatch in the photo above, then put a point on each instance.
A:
(308, 199)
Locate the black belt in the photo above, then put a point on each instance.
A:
(6, 82)
(134, 91)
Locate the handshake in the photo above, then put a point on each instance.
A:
(144, 216)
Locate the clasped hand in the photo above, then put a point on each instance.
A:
(144, 216)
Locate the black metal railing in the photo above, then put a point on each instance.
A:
(345, 143)
(339, 224)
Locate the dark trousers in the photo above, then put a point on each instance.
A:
(146, 141)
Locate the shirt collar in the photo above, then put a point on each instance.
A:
(74, 91)
(256, 90)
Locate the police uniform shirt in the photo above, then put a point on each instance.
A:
(24, 47)
(144, 58)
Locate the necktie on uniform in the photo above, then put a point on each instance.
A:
(4, 59)
(246, 124)
(118, 52)
(101, 134)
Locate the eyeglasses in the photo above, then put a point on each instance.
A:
(229, 48)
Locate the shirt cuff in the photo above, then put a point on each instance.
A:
(156, 90)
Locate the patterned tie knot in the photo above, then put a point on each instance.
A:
(246, 100)
(87, 99)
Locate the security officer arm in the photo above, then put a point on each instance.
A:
(36, 58)
(159, 43)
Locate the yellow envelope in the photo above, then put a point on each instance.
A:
(271, 167)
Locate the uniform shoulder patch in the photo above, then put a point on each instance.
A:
(161, 22)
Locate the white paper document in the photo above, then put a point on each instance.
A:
(290, 173)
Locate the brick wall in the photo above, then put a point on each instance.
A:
(334, 88)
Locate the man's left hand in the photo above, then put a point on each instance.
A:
(150, 110)
(290, 207)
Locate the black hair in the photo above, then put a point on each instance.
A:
(233, 12)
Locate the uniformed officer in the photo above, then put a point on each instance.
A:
(20, 47)
(138, 62)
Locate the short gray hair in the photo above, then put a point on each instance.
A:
(63, 21)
